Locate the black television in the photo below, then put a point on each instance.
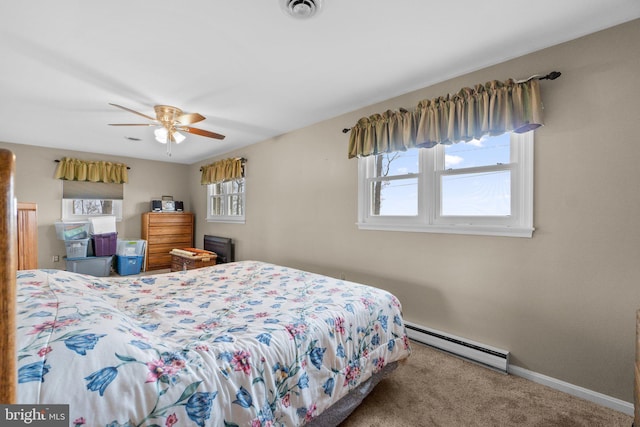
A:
(222, 246)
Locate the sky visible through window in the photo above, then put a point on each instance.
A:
(469, 194)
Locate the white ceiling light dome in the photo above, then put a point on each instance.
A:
(301, 9)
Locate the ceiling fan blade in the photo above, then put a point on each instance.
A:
(132, 124)
(134, 112)
(200, 132)
(190, 118)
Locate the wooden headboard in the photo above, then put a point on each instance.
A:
(8, 265)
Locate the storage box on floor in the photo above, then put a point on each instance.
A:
(129, 256)
(93, 265)
(76, 236)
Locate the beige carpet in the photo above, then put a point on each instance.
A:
(433, 388)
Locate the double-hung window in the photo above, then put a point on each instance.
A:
(226, 201)
(479, 187)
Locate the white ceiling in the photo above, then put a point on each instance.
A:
(253, 71)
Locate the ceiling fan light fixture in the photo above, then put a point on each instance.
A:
(161, 135)
(301, 9)
(178, 137)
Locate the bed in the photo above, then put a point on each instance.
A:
(245, 343)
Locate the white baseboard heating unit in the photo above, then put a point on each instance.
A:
(491, 357)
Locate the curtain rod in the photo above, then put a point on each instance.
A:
(58, 161)
(243, 159)
(551, 76)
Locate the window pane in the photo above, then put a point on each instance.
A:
(477, 194)
(235, 205)
(216, 188)
(92, 207)
(489, 150)
(397, 197)
(216, 206)
(393, 164)
(237, 186)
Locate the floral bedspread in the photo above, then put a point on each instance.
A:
(239, 344)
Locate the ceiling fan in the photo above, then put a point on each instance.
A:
(169, 121)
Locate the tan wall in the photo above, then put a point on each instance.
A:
(34, 182)
(563, 302)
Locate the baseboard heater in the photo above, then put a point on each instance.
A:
(485, 355)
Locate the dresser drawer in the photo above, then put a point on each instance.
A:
(166, 219)
(178, 240)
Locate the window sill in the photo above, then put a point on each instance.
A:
(479, 230)
(230, 220)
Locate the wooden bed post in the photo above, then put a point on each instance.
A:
(8, 266)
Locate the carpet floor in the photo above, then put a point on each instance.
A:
(433, 388)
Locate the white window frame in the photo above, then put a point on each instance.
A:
(96, 191)
(428, 219)
(235, 219)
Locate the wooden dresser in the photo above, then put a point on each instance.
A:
(27, 236)
(164, 231)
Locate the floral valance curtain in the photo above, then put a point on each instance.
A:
(93, 171)
(490, 109)
(223, 170)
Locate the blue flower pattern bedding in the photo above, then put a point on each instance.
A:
(238, 344)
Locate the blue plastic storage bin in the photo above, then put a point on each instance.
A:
(127, 265)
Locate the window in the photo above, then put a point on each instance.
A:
(226, 201)
(82, 200)
(479, 187)
(83, 209)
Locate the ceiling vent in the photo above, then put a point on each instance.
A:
(301, 9)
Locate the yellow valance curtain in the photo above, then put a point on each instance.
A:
(223, 170)
(490, 109)
(93, 171)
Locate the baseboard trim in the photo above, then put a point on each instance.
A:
(574, 390)
(499, 359)
(483, 354)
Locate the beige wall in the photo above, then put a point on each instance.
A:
(34, 182)
(563, 302)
